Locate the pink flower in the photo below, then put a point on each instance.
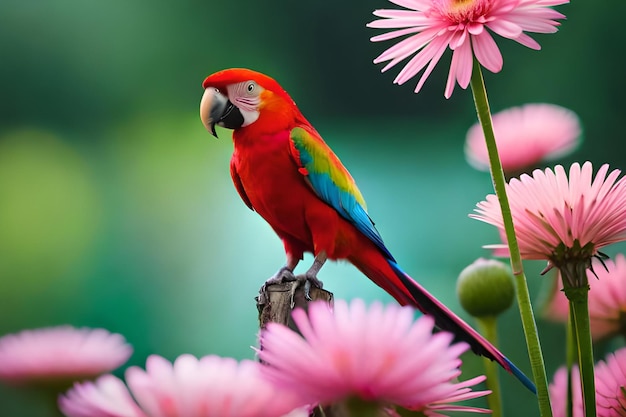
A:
(558, 393)
(561, 219)
(607, 299)
(525, 136)
(60, 355)
(610, 380)
(207, 387)
(432, 26)
(377, 354)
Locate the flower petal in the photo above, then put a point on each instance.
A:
(460, 68)
(487, 52)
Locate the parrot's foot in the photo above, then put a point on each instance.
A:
(307, 281)
(310, 276)
(313, 280)
(310, 280)
(284, 274)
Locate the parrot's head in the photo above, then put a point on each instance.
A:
(239, 98)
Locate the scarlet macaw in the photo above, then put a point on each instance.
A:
(283, 170)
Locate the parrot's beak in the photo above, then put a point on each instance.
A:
(216, 109)
(212, 107)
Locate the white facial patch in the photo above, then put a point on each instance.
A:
(247, 97)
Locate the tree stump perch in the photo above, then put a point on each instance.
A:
(276, 302)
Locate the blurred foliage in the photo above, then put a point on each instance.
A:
(116, 207)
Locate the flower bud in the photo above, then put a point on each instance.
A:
(485, 288)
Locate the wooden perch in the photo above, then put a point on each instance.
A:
(276, 302)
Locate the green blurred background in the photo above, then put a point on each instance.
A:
(117, 208)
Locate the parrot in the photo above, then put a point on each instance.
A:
(284, 171)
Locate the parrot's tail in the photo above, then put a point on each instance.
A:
(388, 275)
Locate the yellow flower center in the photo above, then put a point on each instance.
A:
(461, 3)
(462, 11)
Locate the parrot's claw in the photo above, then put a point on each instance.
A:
(307, 281)
(312, 279)
(284, 274)
(307, 290)
(311, 274)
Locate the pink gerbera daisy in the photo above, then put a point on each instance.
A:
(610, 385)
(610, 380)
(558, 393)
(432, 26)
(207, 387)
(525, 136)
(59, 355)
(560, 219)
(607, 300)
(378, 355)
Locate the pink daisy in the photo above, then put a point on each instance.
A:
(559, 219)
(58, 355)
(558, 393)
(525, 136)
(207, 387)
(610, 380)
(607, 300)
(378, 354)
(432, 26)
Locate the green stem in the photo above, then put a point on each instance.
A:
(488, 328)
(523, 296)
(580, 309)
(571, 353)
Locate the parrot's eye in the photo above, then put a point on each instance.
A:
(250, 87)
